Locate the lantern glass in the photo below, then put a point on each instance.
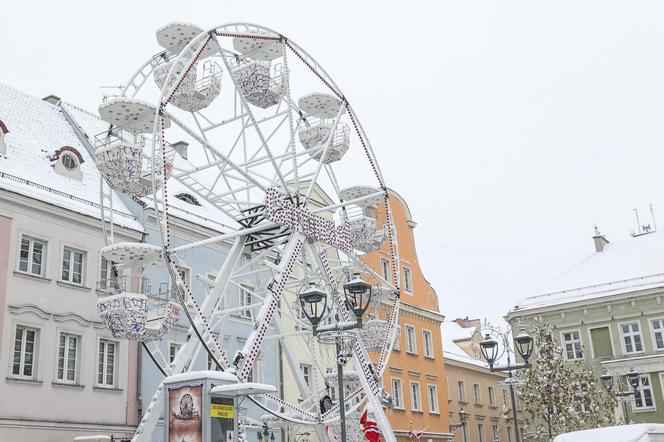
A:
(489, 348)
(463, 416)
(607, 381)
(633, 378)
(313, 302)
(358, 295)
(524, 344)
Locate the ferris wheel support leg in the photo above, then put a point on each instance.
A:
(271, 302)
(379, 412)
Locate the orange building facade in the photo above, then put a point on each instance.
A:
(415, 376)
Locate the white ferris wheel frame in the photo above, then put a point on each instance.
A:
(203, 323)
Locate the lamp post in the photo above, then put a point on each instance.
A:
(356, 299)
(634, 381)
(463, 418)
(491, 352)
(269, 435)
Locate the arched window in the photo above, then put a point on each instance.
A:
(3, 132)
(67, 161)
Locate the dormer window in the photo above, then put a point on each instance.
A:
(3, 132)
(187, 198)
(67, 161)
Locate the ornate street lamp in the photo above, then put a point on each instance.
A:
(358, 295)
(314, 304)
(524, 345)
(491, 351)
(489, 348)
(634, 380)
(607, 381)
(265, 433)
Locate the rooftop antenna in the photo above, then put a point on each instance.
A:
(638, 223)
(652, 214)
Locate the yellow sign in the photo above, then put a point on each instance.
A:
(222, 411)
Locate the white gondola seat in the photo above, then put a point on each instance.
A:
(129, 253)
(124, 164)
(135, 316)
(373, 334)
(259, 83)
(316, 137)
(364, 235)
(198, 88)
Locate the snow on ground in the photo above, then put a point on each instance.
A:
(621, 433)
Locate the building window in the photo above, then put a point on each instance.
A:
(492, 397)
(415, 402)
(631, 334)
(411, 343)
(480, 432)
(643, 398)
(211, 365)
(658, 332)
(25, 349)
(69, 162)
(407, 281)
(428, 344)
(306, 374)
(461, 390)
(245, 301)
(397, 394)
(106, 363)
(432, 393)
(504, 398)
(72, 266)
(509, 434)
(477, 397)
(31, 256)
(572, 345)
(385, 269)
(184, 274)
(173, 349)
(68, 357)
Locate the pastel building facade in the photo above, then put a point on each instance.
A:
(61, 372)
(607, 312)
(415, 376)
(473, 388)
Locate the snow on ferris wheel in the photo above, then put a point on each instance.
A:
(259, 46)
(368, 196)
(320, 105)
(176, 35)
(131, 253)
(130, 113)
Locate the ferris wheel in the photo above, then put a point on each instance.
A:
(277, 153)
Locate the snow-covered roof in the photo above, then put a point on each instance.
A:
(36, 130)
(457, 333)
(205, 214)
(451, 331)
(624, 266)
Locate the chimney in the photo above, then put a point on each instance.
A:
(53, 99)
(600, 241)
(181, 148)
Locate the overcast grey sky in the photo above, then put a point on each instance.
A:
(509, 127)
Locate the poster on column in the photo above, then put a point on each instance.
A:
(184, 414)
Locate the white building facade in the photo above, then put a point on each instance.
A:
(61, 373)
